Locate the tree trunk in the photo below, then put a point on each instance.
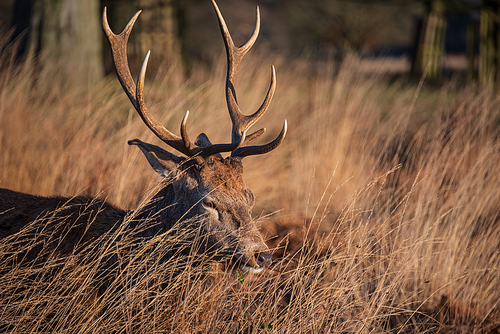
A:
(63, 37)
(489, 50)
(472, 49)
(156, 30)
(159, 32)
(430, 47)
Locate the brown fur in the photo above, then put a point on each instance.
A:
(70, 223)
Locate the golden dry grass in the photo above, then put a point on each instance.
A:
(382, 204)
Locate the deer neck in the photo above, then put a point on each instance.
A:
(159, 213)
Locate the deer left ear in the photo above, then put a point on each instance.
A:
(203, 141)
(163, 162)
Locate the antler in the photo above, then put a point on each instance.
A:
(118, 44)
(242, 123)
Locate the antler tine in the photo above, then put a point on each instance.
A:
(242, 123)
(254, 150)
(118, 44)
(156, 127)
(184, 135)
(252, 119)
(234, 56)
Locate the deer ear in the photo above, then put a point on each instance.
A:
(163, 162)
(203, 141)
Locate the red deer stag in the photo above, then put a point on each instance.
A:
(203, 187)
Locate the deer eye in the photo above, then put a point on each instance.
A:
(209, 204)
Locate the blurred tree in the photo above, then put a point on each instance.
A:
(483, 40)
(357, 25)
(429, 49)
(64, 42)
(63, 35)
(158, 29)
(489, 43)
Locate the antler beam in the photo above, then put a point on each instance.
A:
(118, 44)
(241, 123)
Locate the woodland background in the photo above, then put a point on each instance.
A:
(182, 32)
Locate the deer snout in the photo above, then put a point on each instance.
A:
(263, 259)
(255, 262)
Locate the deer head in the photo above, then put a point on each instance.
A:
(204, 187)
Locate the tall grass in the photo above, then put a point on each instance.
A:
(382, 205)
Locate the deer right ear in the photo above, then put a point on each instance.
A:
(163, 162)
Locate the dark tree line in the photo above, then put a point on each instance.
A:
(483, 39)
(64, 40)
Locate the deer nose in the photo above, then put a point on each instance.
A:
(264, 259)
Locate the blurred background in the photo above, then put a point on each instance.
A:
(396, 36)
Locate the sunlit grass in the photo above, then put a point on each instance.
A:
(382, 202)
